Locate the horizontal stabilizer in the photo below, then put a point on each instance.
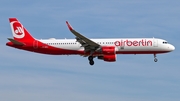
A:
(16, 42)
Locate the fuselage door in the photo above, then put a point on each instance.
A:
(155, 42)
(35, 44)
(122, 45)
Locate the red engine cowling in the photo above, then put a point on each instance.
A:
(108, 50)
(108, 58)
(109, 54)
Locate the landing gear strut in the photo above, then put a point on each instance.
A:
(91, 61)
(155, 59)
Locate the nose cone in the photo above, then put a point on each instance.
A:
(171, 48)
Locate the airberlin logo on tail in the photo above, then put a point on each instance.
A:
(17, 30)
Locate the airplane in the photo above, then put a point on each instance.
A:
(103, 49)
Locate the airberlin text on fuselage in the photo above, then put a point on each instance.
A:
(127, 42)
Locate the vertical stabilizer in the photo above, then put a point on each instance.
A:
(19, 32)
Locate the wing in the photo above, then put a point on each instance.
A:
(88, 44)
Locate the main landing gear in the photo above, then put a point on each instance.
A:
(155, 59)
(91, 61)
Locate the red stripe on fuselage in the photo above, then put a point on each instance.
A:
(44, 49)
(47, 49)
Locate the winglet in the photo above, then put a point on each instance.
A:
(69, 26)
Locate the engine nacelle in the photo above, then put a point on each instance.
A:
(108, 58)
(108, 50)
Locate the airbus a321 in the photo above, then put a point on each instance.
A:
(103, 49)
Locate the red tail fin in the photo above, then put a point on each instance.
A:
(19, 32)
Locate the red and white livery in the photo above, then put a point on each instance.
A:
(104, 49)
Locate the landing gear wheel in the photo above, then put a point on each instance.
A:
(155, 59)
(91, 62)
(90, 58)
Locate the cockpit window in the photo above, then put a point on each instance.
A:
(165, 42)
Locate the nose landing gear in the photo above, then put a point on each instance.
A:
(155, 59)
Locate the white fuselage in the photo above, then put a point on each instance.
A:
(121, 44)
